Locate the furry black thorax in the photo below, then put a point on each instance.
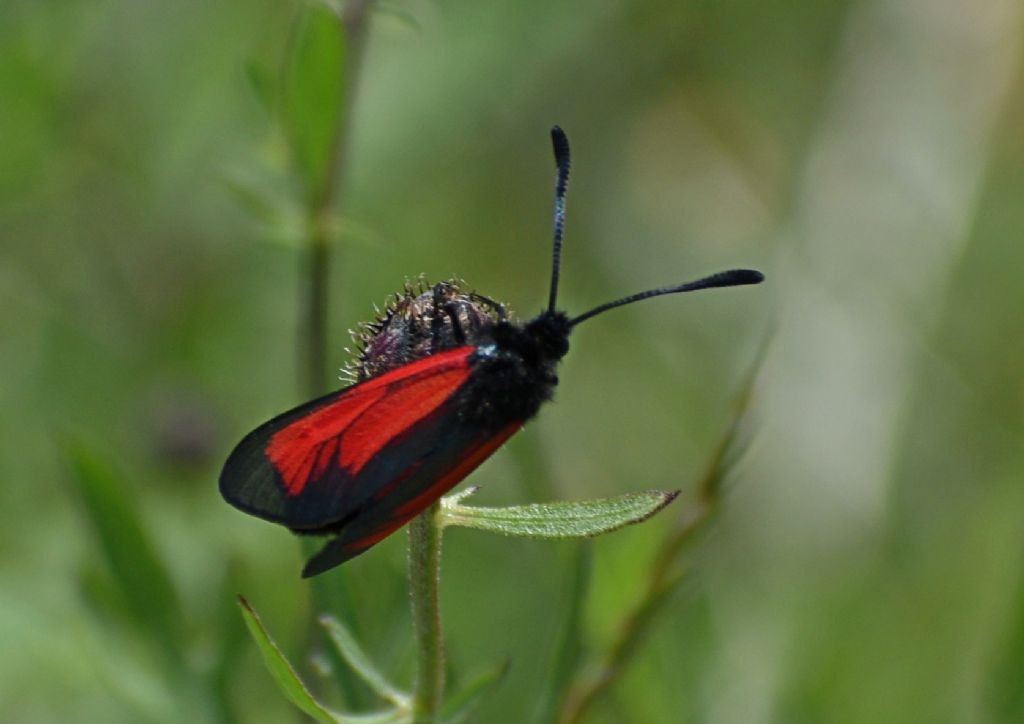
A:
(514, 370)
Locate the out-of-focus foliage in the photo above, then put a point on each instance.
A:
(867, 565)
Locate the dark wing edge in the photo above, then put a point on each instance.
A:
(250, 481)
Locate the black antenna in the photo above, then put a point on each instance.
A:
(560, 143)
(731, 278)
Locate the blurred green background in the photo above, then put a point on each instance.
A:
(868, 156)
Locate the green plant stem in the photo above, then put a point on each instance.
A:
(424, 592)
(322, 206)
(321, 210)
(318, 271)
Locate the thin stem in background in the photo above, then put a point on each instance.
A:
(669, 569)
(634, 627)
(424, 592)
(322, 209)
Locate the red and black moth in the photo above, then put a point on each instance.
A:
(446, 378)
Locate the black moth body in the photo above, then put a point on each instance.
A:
(441, 380)
(514, 363)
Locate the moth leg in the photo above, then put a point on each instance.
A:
(452, 310)
(436, 320)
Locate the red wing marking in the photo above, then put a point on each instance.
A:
(309, 441)
(363, 419)
(403, 407)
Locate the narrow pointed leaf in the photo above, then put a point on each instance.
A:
(1006, 682)
(735, 438)
(332, 595)
(287, 680)
(670, 565)
(261, 81)
(356, 658)
(564, 519)
(101, 594)
(314, 87)
(391, 716)
(140, 575)
(230, 646)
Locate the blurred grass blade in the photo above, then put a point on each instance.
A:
(314, 87)
(730, 448)
(332, 594)
(261, 81)
(460, 706)
(101, 594)
(384, 717)
(569, 636)
(287, 680)
(563, 519)
(231, 639)
(669, 568)
(356, 658)
(1006, 680)
(735, 438)
(141, 578)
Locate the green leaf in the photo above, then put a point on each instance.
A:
(102, 595)
(670, 566)
(261, 82)
(735, 438)
(230, 646)
(332, 593)
(384, 717)
(287, 680)
(1006, 677)
(565, 519)
(464, 703)
(728, 451)
(140, 576)
(359, 661)
(313, 94)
